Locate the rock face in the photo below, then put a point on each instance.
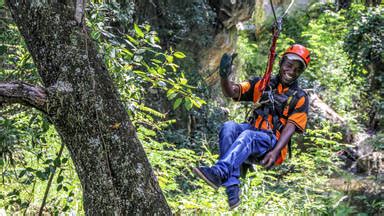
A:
(363, 158)
(371, 164)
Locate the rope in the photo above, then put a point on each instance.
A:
(272, 51)
(289, 7)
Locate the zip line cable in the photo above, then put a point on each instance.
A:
(271, 58)
(272, 51)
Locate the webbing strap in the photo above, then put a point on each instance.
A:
(293, 97)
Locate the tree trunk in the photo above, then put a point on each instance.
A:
(83, 104)
(343, 4)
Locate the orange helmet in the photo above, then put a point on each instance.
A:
(300, 51)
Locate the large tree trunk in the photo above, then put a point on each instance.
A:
(82, 102)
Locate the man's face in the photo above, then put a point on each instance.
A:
(289, 71)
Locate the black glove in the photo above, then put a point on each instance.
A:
(226, 64)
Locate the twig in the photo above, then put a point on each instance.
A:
(50, 180)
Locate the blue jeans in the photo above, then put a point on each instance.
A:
(236, 143)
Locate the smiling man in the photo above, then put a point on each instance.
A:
(280, 110)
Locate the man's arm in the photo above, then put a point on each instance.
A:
(272, 155)
(229, 88)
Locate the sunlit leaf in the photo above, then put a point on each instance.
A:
(138, 31)
(188, 103)
(177, 103)
(179, 55)
(183, 81)
(169, 58)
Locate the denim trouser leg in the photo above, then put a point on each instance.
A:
(249, 142)
(229, 132)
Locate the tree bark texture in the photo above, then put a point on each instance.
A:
(83, 104)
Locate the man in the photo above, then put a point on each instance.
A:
(280, 110)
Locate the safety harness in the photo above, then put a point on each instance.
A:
(272, 103)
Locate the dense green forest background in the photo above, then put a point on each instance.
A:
(337, 166)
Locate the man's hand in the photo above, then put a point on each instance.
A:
(269, 159)
(226, 64)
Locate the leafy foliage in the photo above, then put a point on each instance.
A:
(33, 159)
(364, 44)
(141, 69)
(138, 64)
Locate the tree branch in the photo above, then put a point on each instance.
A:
(23, 93)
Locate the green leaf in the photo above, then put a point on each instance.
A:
(156, 61)
(60, 179)
(64, 160)
(196, 103)
(42, 175)
(177, 103)
(57, 162)
(183, 81)
(171, 94)
(59, 187)
(188, 104)
(13, 193)
(137, 58)
(138, 31)
(48, 161)
(169, 58)
(133, 40)
(24, 205)
(66, 208)
(22, 173)
(45, 125)
(147, 27)
(152, 111)
(179, 55)
(127, 52)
